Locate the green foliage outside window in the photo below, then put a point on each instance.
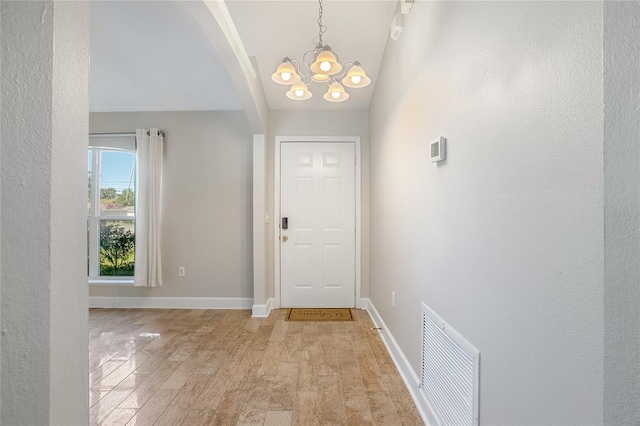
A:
(126, 198)
(117, 250)
(110, 196)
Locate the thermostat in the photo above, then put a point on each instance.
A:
(438, 149)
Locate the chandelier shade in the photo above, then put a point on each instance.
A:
(299, 92)
(320, 78)
(336, 93)
(356, 77)
(286, 73)
(326, 63)
(320, 65)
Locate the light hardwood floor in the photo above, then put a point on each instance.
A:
(199, 367)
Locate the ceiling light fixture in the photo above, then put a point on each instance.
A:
(322, 65)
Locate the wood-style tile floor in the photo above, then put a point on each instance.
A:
(222, 367)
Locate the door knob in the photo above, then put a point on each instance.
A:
(284, 238)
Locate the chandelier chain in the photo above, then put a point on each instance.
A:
(321, 28)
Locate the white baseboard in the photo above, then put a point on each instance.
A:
(409, 376)
(171, 302)
(262, 311)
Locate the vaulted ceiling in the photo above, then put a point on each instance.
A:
(154, 56)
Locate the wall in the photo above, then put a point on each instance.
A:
(504, 239)
(44, 297)
(320, 123)
(622, 213)
(26, 224)
(69, 401)
(206, 206)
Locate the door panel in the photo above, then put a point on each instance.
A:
(317, 195)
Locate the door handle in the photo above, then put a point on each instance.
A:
(285, 238)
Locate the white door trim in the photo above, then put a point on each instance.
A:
(276, 206)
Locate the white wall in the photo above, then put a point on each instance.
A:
(260, 227)
(504, 240)
(44, 296)
(320, 123)
(622, 213)
(26, 225)
(206, 206)
(69, 400)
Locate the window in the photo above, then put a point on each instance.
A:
(111, 207)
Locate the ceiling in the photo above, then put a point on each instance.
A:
(153, 55)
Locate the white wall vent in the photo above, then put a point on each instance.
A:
(450, 372)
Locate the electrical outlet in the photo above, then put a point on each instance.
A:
(181, 271)
(393, 299)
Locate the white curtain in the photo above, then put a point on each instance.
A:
(149, 154)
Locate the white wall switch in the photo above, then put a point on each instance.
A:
(181, 271)
(393, 299)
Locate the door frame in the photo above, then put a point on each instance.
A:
(276, 206)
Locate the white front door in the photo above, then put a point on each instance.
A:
(317, 198)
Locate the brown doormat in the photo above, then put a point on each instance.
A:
(319, 314)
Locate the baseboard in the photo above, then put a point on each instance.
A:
(171, 302)
(409, 376)
(262, 311)
(363, 303)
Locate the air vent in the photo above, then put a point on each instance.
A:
(450, 372)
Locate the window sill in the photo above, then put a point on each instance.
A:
(120, 282)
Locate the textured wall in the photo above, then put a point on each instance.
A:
(622, 212)
(206, 205)
(44, 358)
(69, 400)
(504, 240)
(27, 64)
(320, 123)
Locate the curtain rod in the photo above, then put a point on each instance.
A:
(97, 135)
(106, 135)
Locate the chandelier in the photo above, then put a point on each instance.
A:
(321, 65)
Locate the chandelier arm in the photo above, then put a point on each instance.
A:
(296, 65)
(336, 55)
(304, 59)
(344, 69)
(304, 77)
